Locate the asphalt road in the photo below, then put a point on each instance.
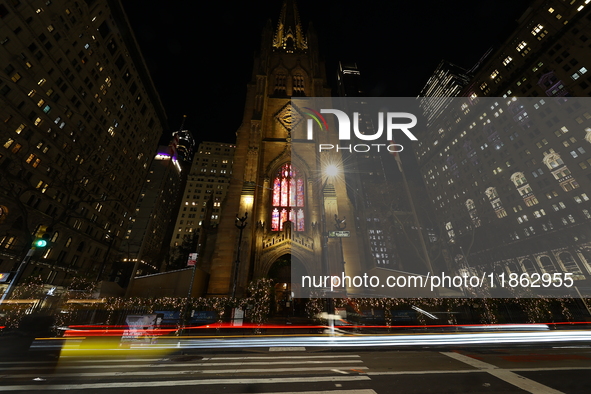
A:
(558, 368)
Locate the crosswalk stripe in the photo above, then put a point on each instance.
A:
(177, 372)
(288, 357)
(185, 365)
(510, 377)
(356, 391)
(192, 382)
(77, 360)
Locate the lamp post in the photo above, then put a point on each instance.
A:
(330, 171)
(240, 224)
(340, 225)
(110, 240)
(42, 237)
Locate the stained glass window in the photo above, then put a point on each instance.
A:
(288, 199)
(275, 219)
(276, 192)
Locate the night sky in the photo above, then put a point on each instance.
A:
(200, 54)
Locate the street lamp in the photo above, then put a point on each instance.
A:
(240, 224)
(331, 170)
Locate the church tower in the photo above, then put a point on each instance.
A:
(279, 191)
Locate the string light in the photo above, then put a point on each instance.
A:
(524, 305)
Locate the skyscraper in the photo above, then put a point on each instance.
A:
(81, 122)
(144, 244)
(447, 80)
(508, 173)
(183, 144)
(209, 177)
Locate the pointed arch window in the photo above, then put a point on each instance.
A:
(288, 199)
(298, 85)
(280, 84)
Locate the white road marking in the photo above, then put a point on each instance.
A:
(287, 357)
(423, 372)
(178, 372)
(547, 369)
(194, 382)
(184, 365)
(76, 359)
(362, 391)
(504, 374)
(288, 349)
(339, 371)
(470, 361)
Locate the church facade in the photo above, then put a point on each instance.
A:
(289, 200)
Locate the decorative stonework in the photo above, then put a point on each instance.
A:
(288, 236)
(288, 117)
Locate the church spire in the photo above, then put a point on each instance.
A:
(289, 35)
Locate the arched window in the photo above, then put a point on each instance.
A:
(528, 266)
(553, 160)
(518, 179)
(298, 85)
(512, 267)
(491, 192)
(547, 264)
(569, 263)
(288, 199)
(280, 84)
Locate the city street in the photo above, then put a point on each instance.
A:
(551, 368)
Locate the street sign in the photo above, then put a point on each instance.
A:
(192, 259)
(339, 234)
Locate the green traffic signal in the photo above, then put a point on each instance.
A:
(40, 243)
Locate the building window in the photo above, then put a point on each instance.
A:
(280, 84)
(33, 160)
(539, 32)
(495, 201)
(552, 160)
(522, 48)
(472, 212)
(288, 199)
(298, 85)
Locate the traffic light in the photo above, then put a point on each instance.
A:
(40, 243)
(42, 237)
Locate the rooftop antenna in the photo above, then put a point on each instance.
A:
(183, 123)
